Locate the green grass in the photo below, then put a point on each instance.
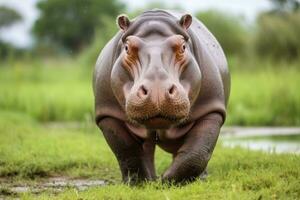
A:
(47, 91)
(62, 91)
(30, 151)
(265, 97)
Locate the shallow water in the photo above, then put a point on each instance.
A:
(271, 144)
(53, 185)
(265, 145)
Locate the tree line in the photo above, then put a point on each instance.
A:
(76, 26)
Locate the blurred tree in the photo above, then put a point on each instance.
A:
(72, 23)
(8, 16)
(277, 36)
(278, 31)
(228, 30)
(285, 5)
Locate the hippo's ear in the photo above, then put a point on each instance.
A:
(123, 22)
(185, 21)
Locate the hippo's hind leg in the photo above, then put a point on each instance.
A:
(136, 158)
(191, 159)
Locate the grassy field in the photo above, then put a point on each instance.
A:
(47, 91)
(30, 151)
(261, 94)
(265, 97)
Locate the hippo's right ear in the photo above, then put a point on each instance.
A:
(123, 22)
(185, 21)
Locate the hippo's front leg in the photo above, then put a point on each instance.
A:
(136, 158)
(192, 157)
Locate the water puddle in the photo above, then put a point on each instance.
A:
(52, 184)
(264, 145)
(272, 140)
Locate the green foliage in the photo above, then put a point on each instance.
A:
(265, 96)
(9, 52)
(8, 16)
(228, 30)
(41, 90)
(285, 5)
(5, 49)
(278, 36)
(72, 23)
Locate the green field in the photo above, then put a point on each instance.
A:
(47, 130)
(30, 151)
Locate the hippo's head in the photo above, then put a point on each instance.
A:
(156, 77)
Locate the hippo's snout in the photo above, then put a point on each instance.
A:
(171, 93)
(158, 105)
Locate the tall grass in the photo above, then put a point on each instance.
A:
(262, 93)
(53, 91)
(265, 97)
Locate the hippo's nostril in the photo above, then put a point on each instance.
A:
(142, 92)
(172, 90)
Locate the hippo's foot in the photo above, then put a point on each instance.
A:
(136, 158)
(186, 168)
(188, 179)
(191, 159)
(136, 171)
(203, 175)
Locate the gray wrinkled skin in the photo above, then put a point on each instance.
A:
(161, 80)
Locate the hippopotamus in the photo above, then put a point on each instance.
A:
(162, 80)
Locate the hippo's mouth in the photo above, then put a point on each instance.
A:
(159, 121)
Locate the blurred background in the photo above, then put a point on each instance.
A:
(48, 50)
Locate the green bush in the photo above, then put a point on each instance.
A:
(228, 30)
(278, 36)
(71, 24)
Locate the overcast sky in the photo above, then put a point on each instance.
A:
(19, 34)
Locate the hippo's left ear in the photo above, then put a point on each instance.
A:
(123, 22)
(185, 21)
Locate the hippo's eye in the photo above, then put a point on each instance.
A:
(126, 48)
(183, 47)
